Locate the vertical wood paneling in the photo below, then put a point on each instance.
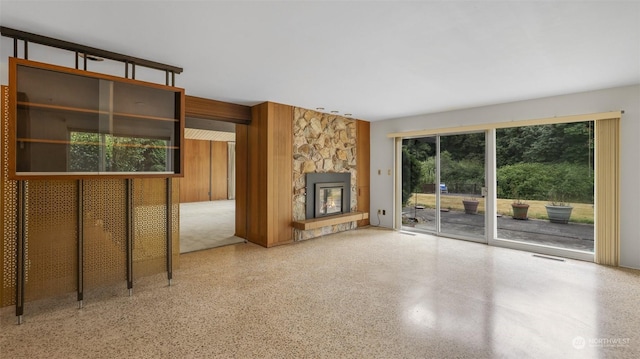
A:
(280, 175)
(194, 186)
(241, 180)
(607, 194)
(256, 176)
(269, 176)
(219, 170)
(363, 151)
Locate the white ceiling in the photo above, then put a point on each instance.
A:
(376, 60)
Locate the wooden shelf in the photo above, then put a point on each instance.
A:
(63, 142)
(144, 117)
(42, 106)
(330, 220)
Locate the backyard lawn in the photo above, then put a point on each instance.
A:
(582, 212)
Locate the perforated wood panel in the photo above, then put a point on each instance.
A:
(150, 216)
(105, 232)
(175, 223)
(8, 194)
(51, 238)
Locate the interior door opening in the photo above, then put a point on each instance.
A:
(207, 190)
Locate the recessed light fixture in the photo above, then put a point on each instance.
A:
(320, 108)
(335, 111)
(348, 114)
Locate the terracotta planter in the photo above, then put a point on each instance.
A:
(559, 214)
(520, 210)
(470, 207)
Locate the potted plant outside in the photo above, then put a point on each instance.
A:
(470, 205)
(520, 209)
(558, 209)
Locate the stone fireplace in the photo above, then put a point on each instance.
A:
(324, 147)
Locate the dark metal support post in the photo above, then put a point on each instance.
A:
(173, 78)
(129, 211)
(70, 46)
(85, 61)
(166, 77)
(77, 62)
(80, 241)
(169, 230)
(26, 49)
(133, 70)
(15, 47)
(126, 69)
(20, 250)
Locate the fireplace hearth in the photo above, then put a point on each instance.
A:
(327, 194)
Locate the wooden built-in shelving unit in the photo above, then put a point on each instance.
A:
(69, 123)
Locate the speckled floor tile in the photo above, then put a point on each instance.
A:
(368, 293)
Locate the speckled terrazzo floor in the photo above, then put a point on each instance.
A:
(368, 293)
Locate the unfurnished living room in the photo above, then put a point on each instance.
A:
(319, 179)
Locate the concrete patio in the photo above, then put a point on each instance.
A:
(574, 236)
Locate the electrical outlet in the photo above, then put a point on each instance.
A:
(379, 211)
(384, 212)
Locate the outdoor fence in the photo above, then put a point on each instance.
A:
(453, 187)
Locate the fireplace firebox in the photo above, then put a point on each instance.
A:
(328, 194)
(328, 199)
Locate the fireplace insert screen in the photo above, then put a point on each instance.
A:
(328, 198)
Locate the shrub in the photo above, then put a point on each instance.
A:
(535, 181)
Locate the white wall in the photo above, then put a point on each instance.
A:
(621, 98)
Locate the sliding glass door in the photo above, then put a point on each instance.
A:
(419, 183)
(545, 193)
(462, 173)
(544, 184)
(443, 182)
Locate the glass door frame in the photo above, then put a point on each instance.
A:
(491, 224)
(438, 217)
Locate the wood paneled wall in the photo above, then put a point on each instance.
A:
(269, 158)
(280, 175)
(363, 151)
(242, 160)
(219, 170)
(208, 109)
(206, 171)
(194, 186)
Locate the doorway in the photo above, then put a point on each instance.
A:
(207, 190)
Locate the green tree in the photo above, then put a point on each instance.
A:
(468, 146)
(556, 143)
(121, 154)
(411, 173)
(84, 152)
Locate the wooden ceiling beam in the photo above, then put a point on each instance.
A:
(198, 107)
